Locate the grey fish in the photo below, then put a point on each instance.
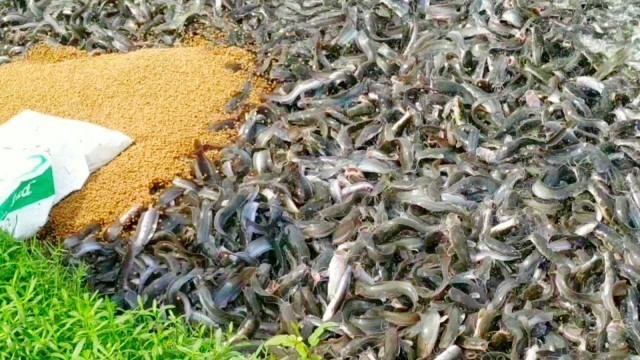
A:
(466, 162)
(387, 289)
(338, 294)
(428, 336)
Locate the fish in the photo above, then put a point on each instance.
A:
(223, 125)
(387, 289)
(391, 344)
(452, 329)
(450, 353)
(428, 335)
(428, 174)
(337, 269)
(338, 295)
(562, 274)
(232, 66)
(238, 98)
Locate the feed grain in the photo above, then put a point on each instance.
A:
(164, 99)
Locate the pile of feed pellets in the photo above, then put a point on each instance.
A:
(165, 99)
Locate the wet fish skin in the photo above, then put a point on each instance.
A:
(450, 353)
(337, 269)
(338, 297)
(232, 287)
(387, 289)
(562, 274)
(463, 299)
(458, 239)
(452, 329)
(226, 212)
(391, 344)
(428, 336)
(543, 248)
(175, 286)
(146, 227)
(476, 152)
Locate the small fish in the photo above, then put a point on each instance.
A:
(337, 268)
(204, 168)
(387, 289)
(452, 330)
(470, 168)
(391, 344)
(458, 296)
(428, 336)
(562, 274)
(458, 239)
(232, 287)
(451, 353)
(76, 239)
(224, 214)
(174, 287)
(338, 295)
(346, 229)
(223, 125)
(238, 98)
(233, 66)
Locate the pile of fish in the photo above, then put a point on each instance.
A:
(100, 26)
(439, 178)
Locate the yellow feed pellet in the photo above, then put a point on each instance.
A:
(46, 54)
(164, 99)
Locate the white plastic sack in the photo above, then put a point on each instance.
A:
(98, 144)
(26, 192)
(73, 149)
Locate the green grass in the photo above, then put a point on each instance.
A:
(46, 312)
